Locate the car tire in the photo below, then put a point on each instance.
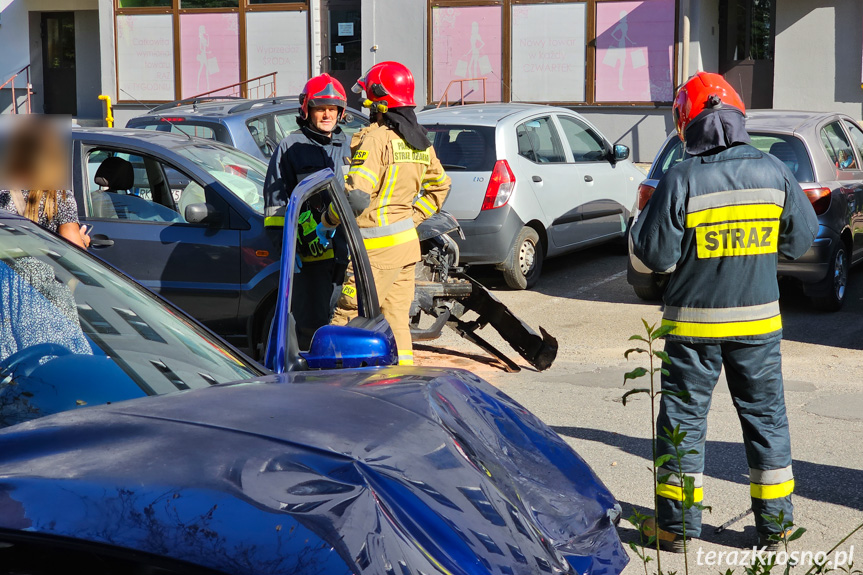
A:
(652, 291)
(264, 334)
(522, 268)
(835, 284)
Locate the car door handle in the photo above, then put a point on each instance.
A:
(588, 178)
(101, 241)
(536, 179)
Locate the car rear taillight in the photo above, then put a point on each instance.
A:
(500, 186)
(820, 198)
(172, 120)
(241, 171)
(644, 193)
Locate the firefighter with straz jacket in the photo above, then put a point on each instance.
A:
(318, 143)
(398, 181)
(717, 224)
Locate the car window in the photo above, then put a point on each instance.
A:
(352, 123)
(586, 145)
(242, 174)
(837, 146)
(183, 126)
(538, 141)
(856, 136)
(672, 154)
(468, 148)
(126, 186)
(66, 318)
(266, 133)
(789, 150)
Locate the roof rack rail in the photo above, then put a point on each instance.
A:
(249, 104)
(193, 101)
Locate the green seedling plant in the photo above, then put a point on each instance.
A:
(656, 359)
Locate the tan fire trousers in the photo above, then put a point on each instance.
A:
(395, 294)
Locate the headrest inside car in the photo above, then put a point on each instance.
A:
(115, 174)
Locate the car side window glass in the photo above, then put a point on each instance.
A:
(265, 133)
(856, 136)
(673, 155)
(837, 146)
(585, 144)
(538, 141)
(124, 186)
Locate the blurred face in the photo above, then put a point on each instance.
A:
(324, 118)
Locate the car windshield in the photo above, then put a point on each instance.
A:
(789, 149)
(73, 333)
(242, 174)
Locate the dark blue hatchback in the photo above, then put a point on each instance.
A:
(184, 217)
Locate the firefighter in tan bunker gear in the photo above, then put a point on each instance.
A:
(395, 165)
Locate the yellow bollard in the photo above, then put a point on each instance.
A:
(109, 118)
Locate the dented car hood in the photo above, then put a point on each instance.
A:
(377, 471)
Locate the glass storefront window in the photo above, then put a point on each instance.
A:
(634, 51)
(209, 3)
(145, 3)
(467, 43)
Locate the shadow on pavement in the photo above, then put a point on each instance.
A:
(727, 461)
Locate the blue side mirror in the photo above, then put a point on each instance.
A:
(621, 152)
(337, 346)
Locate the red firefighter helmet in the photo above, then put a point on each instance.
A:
(387, 85)
(702, 91)
(323, 90)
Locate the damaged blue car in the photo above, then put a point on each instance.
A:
(133, 440)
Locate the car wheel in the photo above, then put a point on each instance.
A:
(522, 269)
(652, 291)
(835, 282)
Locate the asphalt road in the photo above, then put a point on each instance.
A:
(584, 300)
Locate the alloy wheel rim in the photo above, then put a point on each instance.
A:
(840, 275)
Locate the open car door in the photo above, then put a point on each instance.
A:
(368, 339)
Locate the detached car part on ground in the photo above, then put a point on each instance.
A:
(184, 216)
(824, 152)
(227, 469)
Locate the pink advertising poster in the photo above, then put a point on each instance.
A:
(634, 51)
(466, 43)
(209, 52)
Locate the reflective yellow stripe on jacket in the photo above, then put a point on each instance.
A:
(724, 322)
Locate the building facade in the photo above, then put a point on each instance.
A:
(616, 61)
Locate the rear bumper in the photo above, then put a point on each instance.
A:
(488, 237)
(812, 266)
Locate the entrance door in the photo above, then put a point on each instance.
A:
(746, 40)
(342, 45)
(58, 63)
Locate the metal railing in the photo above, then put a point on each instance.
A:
(243, 89)
(28, 87)
(445, 97)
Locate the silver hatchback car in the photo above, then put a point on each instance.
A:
(530, 182)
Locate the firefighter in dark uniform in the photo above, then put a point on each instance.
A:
(397, 179)
(717, 223)
(318, 143)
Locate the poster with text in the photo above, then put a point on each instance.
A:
(278, 42)
(209, 52)
(634, 51)
(466, 43)
(548, 51)
(145, 57)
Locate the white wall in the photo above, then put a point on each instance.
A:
(398, 28)
(818, 56)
